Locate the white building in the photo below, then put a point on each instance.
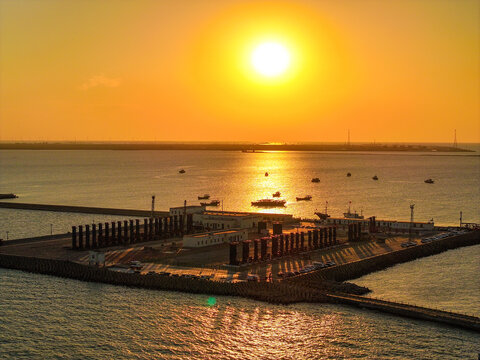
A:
(214, 238)
(190, 209)
(223, 220)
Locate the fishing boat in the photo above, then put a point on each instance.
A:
(315, 180)
(305, 198)
(204, 197)
(323, 216)
(182, 171)
(266, 174)
(211, 203)
(269, 203)
(350, 215)
(375, 177)
(429, 181)
(349, 174)
(277, 194)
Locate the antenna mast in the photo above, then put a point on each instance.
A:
(455, 139)
(348, 141)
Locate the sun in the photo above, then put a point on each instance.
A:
(270, 59)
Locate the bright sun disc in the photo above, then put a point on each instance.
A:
(270, 59)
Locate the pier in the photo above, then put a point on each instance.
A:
(81, 209)
(206, 270)
(407, 310)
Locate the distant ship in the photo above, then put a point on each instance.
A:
(305, 198)
(248, 151)
(315, 180)
(350, 215)
(204, 197)
(211, 203)
(349, 174)
(277, 194)
(182, 171)
(269, 203)
(429, 181)
(375, 177)
(266, 174)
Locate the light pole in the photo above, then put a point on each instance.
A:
(51, 229)
(7, 234)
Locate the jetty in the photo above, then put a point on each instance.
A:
(80, 209)
(217, 270)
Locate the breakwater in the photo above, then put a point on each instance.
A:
(355, 269)
(80, 209)
(277, 293)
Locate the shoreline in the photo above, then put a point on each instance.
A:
(247, 148)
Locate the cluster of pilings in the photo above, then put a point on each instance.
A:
(354, 232)
(282, 245)
(126, 232)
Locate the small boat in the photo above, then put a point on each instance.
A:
(266, 174)
(182, 171)
(305, 198)
(277, 194)
(349, 174)
(323, 216)
(429, 181)
(269, 203)
(8, 196)
(375, 177)
(204, 197)
(315, 180)
(211, 203)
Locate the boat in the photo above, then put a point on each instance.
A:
(266, 174)
(315, 180)
(429, 181)
(182, 171)
(269, 203)
(277, 194)
(204, 197)
(305, 198)
(211, 203)
(375, 177)
(8, 196)
(349, 174)
(248, 151)
(350, 215)
(323, 216)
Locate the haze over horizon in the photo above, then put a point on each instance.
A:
(397, 71)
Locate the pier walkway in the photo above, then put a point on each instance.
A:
(407, 310)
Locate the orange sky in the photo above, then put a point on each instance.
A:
(397, 70)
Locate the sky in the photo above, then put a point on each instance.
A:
(151, 70)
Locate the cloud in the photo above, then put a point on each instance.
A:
(100, 80)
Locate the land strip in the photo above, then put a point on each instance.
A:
(249, 147)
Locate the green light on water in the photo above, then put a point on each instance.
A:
(211, 301)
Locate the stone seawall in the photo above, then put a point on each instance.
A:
(278, 293)
(365, 266)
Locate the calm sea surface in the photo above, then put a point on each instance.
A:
(43, 317)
